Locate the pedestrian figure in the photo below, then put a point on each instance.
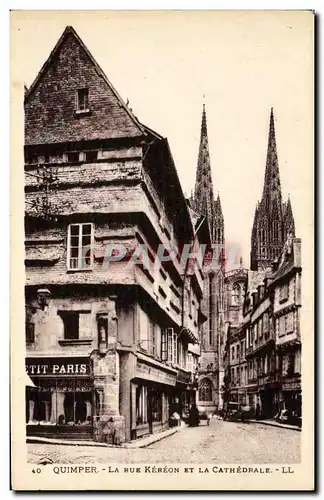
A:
(175, 419)
(193, 416)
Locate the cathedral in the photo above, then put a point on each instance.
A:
(224, 290)
(273, 219)
(211, 371)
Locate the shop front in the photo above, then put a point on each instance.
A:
(63, 401)
(150, 391)
(291, 399)
(182, 396)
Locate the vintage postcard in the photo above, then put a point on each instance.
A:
(162, 323)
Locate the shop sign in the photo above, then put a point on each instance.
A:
(292, 385)
(154, 374)
(63, 385)
(58, 366)
(184, 377)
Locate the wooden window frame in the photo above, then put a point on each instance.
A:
(80, 247)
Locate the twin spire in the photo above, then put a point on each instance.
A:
(273, 219)
(203, 201)
(272, 187)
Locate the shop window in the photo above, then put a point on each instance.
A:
(75, 408)
(156, 405)
(83, 99)
(71, 324)
(38, 407)
(205, 390)
(30, 332)
(80, 246)
(141, 405)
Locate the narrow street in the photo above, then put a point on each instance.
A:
(221, 442)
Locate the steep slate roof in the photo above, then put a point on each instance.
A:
(50, 101)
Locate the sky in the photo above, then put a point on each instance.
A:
(240, 63)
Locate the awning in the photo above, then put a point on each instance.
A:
(27, 380)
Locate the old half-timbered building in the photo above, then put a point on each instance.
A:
(106, 337)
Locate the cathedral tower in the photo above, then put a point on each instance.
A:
(203, 201)
(273, 219)
(211, 372)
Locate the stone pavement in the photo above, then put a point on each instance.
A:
(274, 423)
(221, 442)
(139, 443)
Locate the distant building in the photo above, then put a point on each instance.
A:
(263, 344)
(286, 290)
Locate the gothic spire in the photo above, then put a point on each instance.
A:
(204, 196)
(271, 196)
(273, 219)
(289, 218)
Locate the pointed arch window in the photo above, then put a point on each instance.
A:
(275, 231)
(205, 392)
(236, 294)
(262, 236)
(211, 309)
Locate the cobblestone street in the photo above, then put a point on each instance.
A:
(221, 442)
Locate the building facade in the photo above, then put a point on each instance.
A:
(263, 354)
(263, 347)
(286, 290)
(109, 321)
(211, 370)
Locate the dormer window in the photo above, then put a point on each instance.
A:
(82, 100)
